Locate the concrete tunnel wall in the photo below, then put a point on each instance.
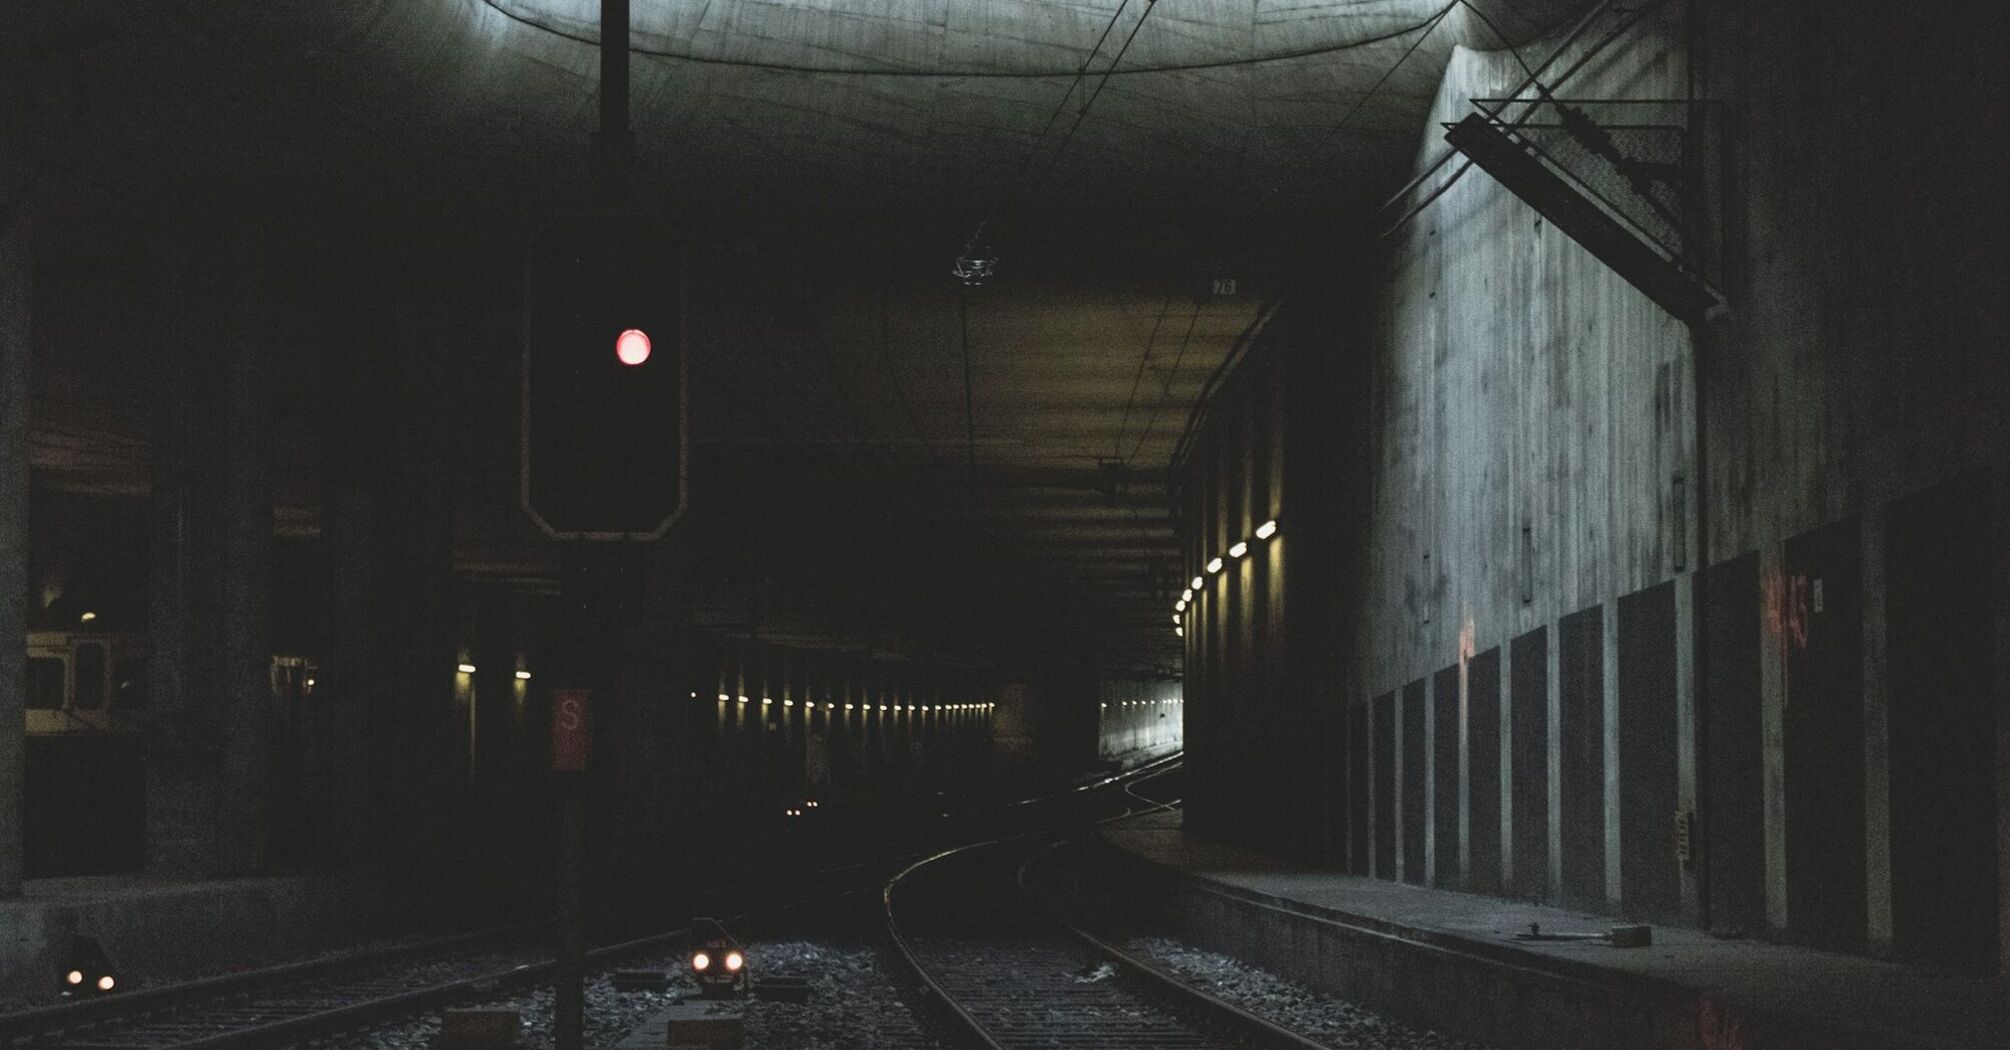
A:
(1541, 693)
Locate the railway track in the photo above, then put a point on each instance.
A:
(292, 1003)
(1012, 975)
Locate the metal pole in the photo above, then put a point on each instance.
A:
(613, 144)
(16, 272)
(568, 1013)
(586, 592)
(568, 1021)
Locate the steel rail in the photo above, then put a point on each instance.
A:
(45, 1025)
(1221, 1009)
(36, 1022)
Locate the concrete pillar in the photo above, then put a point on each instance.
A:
(1553, 656)
(1687, 740)
(16, 273)
(387, 529)
(1610, 624)
(1506, 731)
(1772, 711)
(208, 795)
(1431, 729)
(2000, 538)
(1876, 734)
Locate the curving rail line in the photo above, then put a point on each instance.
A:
(1010, 975)
(294, 1002)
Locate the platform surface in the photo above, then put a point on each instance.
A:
(1902, 1004)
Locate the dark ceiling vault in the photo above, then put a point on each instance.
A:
(828, 158)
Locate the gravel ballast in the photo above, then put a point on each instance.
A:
(853, 1004)
(1314, 1014)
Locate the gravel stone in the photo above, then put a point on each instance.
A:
(853, 1004)
(1315, 1014)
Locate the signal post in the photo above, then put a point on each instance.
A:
(602, 466)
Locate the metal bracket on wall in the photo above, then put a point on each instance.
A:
(1633, 164)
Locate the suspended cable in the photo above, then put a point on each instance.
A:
(1631, 18)
(1506, 43)
(1165, 393)
(1427, 28)
(893, 376)
(1117, 448)
(1076, 82)
(956, 74)
(969, 400)
(1083, 113)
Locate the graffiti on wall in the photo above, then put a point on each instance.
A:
(1785, 606)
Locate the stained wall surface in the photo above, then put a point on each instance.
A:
(1546, 460)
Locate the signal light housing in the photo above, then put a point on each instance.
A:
(603, 434)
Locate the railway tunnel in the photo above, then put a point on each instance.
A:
(1540, 466)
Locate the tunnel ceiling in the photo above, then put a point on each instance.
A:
(829, 158)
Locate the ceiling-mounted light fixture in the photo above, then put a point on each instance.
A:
(1267, 529)
(1196, 584)
(1213, 566)
(1241, 548)
(977, 262)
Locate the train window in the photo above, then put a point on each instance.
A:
(90, 689)
(45, 683)
(129, 683)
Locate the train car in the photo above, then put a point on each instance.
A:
(84, 801)
(86, 683)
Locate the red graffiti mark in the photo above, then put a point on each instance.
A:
(1718, 1030)
(1786, 608)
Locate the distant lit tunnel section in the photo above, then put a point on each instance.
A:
(1139, 721)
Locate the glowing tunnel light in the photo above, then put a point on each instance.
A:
(1213, 566)
(1267, 529)
(1186, 595)
(523, 676)
(465, 668)
(1241, 548)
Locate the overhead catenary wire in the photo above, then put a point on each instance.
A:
(1089, 103)
(1144, 359)
(960, 73)
(893, 376)
(1165, 393)
(1424, 31)
(1444, 157)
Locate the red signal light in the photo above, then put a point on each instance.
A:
(632, 346)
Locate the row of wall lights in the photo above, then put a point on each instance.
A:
(830, 706)
(1141, 703)
(521, 676)
(1214, 564)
